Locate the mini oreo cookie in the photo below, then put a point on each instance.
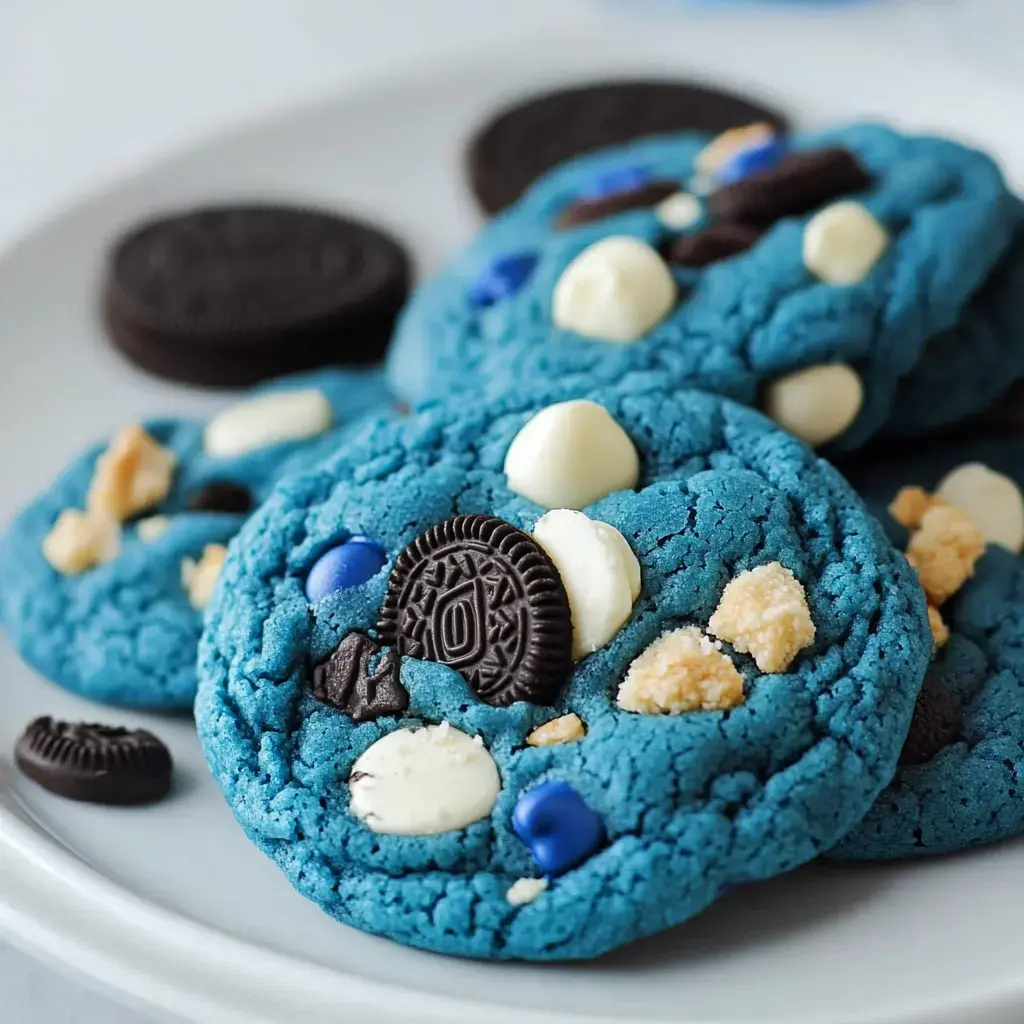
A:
(237, 294)
(481, 596)
(94, 763)
(530, 137)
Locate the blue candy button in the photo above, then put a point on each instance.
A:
(557, 826)
(618, 179)
(501, 279)
(348, 565)
(762, 156)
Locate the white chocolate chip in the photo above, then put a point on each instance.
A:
(681, 671)
(843, 242)
(525, 890)
(732, 141)
(418, 782)
(570, 455)
(266, 420)
(133, 474)
(152, 528)
(615, 290)
(80, 540)
(566, 729)
(199, 578)
(679, 211)
(991, 500)
(816, 404)
(763, 612)
(599, 571)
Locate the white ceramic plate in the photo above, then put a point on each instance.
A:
(169, 906)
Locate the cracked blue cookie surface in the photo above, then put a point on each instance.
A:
(959, 783)
(125, 632)
(743, 321)
(634, 821)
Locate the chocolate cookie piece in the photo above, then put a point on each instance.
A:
(712, 244)
(348, 681)
(233, 295)
(586, 211)
(530, 137)
(222, 496)
(481, 596)
(98, 764)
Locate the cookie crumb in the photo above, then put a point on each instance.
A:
(199, 578)
(566, 729)
(80, 541)
(525, 890)
(763, 612)
(908, 508)
(681, 671)
(940, 631)
(152, 528)
(944, 551)
(132, 475)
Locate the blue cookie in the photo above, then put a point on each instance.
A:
(958, 784)
(476, 750)
(125, 632)
(745, 310)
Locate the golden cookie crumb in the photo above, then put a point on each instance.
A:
(152, 528)
(944, 551)
(79, 541)
(681, 671)
(199, 578)
(763, 612)
(940, 631)
(566, 729)
(908, 508)
(722, 147)
(132, 475)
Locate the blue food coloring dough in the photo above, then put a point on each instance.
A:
(970, 792)
(124, 633)
(744, 321)
(689, 804)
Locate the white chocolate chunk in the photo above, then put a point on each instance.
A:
(816, 404)
(681, 671)
(843, 242)
(525, 890)
(133, 474)
(570, 455)
(152, 528)
(418, 782)
(763, 612)
(566, 729)
(991, 500)
(266, 420)
(679, 211)
(615, 290)
(199, 578)
(80, 541)
(599, 571)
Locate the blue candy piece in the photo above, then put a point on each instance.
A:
(762, 156)
(618, 179)
(557, 826)
(501, 279)
(348, 565)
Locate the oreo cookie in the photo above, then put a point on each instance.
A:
(481, 596)
(94, 763)
(530, 137)
(237, 294)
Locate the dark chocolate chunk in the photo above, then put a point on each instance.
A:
(936, 721)
(351, 682)
(718, 242)
(233, 295)
(99, 764)
(222, 496)
(801, 182)
(481, 596)
(539, 132)
(584, 211)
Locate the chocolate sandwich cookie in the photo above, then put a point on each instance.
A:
(94, 763)
(237, 294)
(525, 140)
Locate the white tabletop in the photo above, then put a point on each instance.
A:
(92, 89)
